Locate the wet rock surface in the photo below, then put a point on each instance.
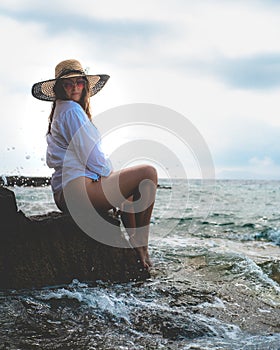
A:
(230, 291)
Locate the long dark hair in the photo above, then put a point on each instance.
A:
(61, 95)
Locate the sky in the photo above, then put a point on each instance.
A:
(216, 62)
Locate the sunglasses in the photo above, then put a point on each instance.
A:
(68, 85)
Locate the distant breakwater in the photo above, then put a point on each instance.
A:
(15, 180)
(37, 181)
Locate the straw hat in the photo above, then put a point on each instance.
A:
(68, 69)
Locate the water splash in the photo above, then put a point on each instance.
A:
(271, 235)
(99, 300)
(5, 181)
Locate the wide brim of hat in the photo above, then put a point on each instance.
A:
(44, 89)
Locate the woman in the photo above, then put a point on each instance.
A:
(71, 132)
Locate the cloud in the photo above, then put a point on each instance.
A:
(251, 144)
(256, 168)
(67, 21)
(257, 72)
(261, 162)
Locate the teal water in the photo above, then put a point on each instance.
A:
(215, 282)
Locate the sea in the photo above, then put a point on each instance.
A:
(215, 280)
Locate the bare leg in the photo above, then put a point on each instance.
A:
(137, 203)
(133, 190)
(139, 240)
(128, 216)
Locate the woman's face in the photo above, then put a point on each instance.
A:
(73, 88)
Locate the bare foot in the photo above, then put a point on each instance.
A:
(144, 256)
(142, 253)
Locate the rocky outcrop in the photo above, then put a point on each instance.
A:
(50, 250)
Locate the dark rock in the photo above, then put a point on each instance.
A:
(8, 206)
(51, 250)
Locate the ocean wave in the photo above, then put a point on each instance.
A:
(271, 235)
(100, 300)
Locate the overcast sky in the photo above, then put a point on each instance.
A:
(215, 62)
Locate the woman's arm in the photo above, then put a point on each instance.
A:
(84, 139)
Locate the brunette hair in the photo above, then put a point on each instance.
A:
(60, 94)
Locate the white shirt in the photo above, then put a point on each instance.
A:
(74, 146)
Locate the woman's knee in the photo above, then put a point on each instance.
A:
(150, 173)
